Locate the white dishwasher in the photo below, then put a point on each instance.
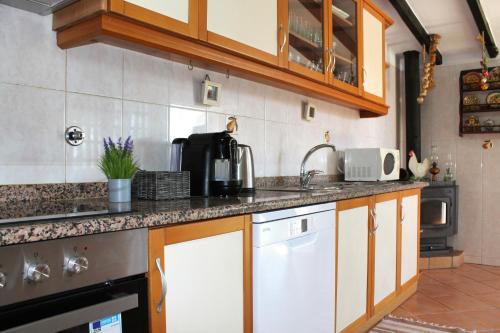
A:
(294, 270)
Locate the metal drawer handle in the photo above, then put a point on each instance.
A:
(373, 213)
(284, 39)
(374, 230)
(402, 214)
(163, 285)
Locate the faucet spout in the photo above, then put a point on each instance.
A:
(306, 177)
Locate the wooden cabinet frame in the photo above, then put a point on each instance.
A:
(411, 282)
(158, 20)
(374, 312)
(158, 238)
(386, 22)
(346, 205)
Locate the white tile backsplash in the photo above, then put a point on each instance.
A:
(146, 78)
(148, 126)
(95, 69)
(28, 50)
(115, 92)
(32, 125)
(98, 117)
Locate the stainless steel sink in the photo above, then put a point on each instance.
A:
(327, 187)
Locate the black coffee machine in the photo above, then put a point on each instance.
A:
(212, 160)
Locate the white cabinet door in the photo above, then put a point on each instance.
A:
(409, 237)
(385, 222)
(205, 285)
(352, 265)
(249, 22)
(176, 9)
(373, 54)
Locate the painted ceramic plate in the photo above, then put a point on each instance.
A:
(472, 77)
(471, 100)
(495, 74)
(493, 98)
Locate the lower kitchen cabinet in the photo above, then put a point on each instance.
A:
(410, 236)
(200, 277)
(385, 233)
(352, 263)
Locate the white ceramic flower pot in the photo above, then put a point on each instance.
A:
(119, 190)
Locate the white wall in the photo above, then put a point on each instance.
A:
(113, 92)
(477, 169)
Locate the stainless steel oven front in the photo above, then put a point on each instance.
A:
(85, 284)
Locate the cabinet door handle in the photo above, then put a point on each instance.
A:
(402, 214)
(329, 63)
(282, 47)
(163, 285)
(373, 213)
(365, 74)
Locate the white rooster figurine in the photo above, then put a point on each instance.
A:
(419, 170)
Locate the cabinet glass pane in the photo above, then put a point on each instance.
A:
(305, 33)
(345, 41)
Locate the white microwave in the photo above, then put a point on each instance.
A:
(371, 164)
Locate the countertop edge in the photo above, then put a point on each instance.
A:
(48, 230)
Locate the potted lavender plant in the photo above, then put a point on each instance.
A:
(119, 165)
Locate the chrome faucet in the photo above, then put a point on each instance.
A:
(307, 176)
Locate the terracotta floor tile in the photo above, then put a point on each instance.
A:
(471, 287)
(421, 304)
(494, 284)
(491, 299)
(488, 318)
(461, 302)
(479, 275)
(436, 289)
(491, 269)
(400, 312)
(446, 275)
(455, 319)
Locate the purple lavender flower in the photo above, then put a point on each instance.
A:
(120, 144)
(106, 146)
(128, 145)
(111, 143)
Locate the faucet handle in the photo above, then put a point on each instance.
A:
(314, 172)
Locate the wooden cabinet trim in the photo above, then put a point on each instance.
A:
(248, 275)
(353, 203)
(118, 31)
(190, 231)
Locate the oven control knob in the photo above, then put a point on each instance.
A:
(77, 265)
(38, 272)
(3, 280)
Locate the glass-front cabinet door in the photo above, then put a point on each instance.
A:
(308, 38)
(344, 69)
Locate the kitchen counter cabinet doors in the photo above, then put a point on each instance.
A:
(384, 233)
(179, 16)
(200, 277)
(352, 264)
(410, 237)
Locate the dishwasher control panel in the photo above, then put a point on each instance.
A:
(298, 226)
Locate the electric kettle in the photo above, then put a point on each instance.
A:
(245, 169)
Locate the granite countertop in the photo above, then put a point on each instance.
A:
(143, 214)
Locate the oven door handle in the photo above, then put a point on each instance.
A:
(80, 316)
(163, 285)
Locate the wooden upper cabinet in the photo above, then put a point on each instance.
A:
(179, 16)
(373, 72)
(306, 38)
(248, 27)
(345, 27)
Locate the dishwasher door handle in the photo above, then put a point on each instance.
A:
(303, 241)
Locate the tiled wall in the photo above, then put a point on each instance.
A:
(477, 169)
(109, 91)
